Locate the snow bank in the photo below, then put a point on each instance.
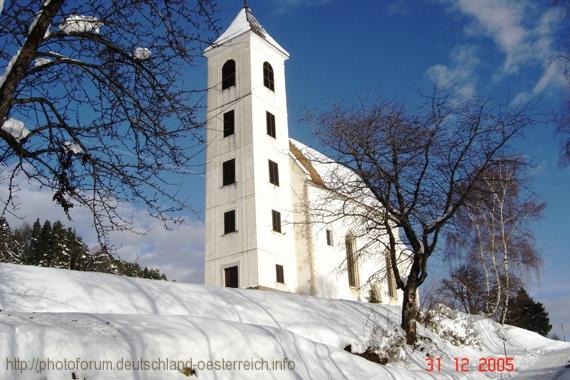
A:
(15, 128)
(452, 325)
(57, 314)
(79, 23)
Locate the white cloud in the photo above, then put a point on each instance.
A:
(397, 7)
(461, 72)
(502, 20)
(178, 252)
(288, 5)
(521, 30)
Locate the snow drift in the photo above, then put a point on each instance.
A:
(79, 317)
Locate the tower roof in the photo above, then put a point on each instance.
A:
(242, 23)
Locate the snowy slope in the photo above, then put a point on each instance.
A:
(76, 316)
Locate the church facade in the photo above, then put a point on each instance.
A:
(261, 185)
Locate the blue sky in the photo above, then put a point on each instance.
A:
(341, 50)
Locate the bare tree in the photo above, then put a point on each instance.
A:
(492, 233)
(563, 58)
(462, 289)
(419, 168)
(93, 102)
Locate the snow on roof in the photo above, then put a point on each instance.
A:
(328, 173)
(242, 23)
(323, 170)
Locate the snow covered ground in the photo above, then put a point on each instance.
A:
(99, 326)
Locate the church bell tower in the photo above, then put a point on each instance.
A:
(249, 242)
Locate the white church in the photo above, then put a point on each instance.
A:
(260, 184)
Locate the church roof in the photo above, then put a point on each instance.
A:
(242, 23)
(304, 162)
(323, 170)
(330, 174)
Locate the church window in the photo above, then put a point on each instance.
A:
(390, 277)
(229, 172)
(276, 220)
(351, 261)
(229, 74)
(329, 237)
(229, 123)
(230, 222)
(279, 276)
(273, 173)
(270, 121)
(231, 277)
(268, 80)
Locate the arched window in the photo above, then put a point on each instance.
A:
(391, 281)
(268, 80)
(351, 267)
(229, 74)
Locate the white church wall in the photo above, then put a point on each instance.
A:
(273, 247)
(302, 229)
(234, 248)
(330, 261)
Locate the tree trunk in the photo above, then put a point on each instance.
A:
(25, 55)
(410, 311)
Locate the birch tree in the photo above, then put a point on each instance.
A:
(492, 234)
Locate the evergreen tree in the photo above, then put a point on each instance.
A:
(59, 250)
(373, 296)
(52, 245)
(78, 252)
(528, 314)
(33, 251)
(9, 248)
(103, 261)
(45, 246)
(23, 236)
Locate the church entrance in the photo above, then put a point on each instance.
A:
(231, 277)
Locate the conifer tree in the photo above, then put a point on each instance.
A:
(59, 250)
(23, 236)
(53, 245)
(78, 252)
(45, 245)
(9, 248)
(103, 261)
(526, 313)
(32, 253)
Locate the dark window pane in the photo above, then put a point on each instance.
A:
(329, 237)
(231, 277)
(273, 173)
(230, 222)
(390, 278)
(268, 80)
(350, 261)
(229, 123)
(279, 276)
(229, 172)
(270, 120)
(228, 74)
(276, 218)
